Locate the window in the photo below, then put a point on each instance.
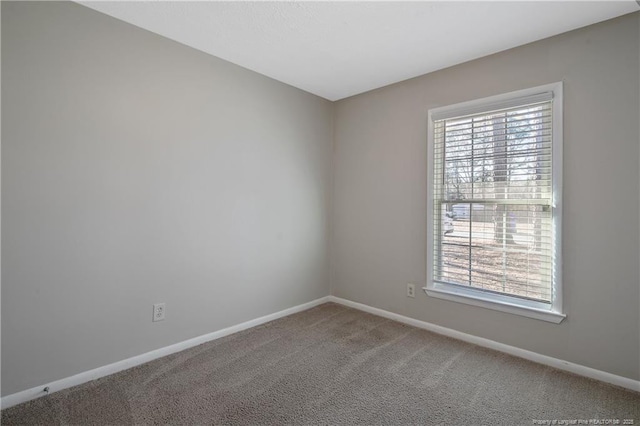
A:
(494, 202)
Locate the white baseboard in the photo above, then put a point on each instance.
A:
(560, 364)
(87, 376)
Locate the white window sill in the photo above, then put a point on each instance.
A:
(495, 302)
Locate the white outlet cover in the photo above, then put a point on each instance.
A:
(158, 312)
(411, 290)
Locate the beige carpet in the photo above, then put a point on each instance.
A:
(333, 365)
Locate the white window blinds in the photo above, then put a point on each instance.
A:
(493, 197)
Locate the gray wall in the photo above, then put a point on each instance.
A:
(136, 170)
(380, 182)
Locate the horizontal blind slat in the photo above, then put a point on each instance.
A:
(494, 106)
(499, 159)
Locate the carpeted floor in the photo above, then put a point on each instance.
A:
(333, 365)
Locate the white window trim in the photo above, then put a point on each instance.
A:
(504, 303)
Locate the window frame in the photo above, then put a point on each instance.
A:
(552, 312)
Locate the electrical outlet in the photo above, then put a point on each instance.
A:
(411, 290)
(158, 312)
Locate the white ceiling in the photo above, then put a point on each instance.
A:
(339, 49)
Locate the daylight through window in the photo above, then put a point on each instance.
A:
(495, 201)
